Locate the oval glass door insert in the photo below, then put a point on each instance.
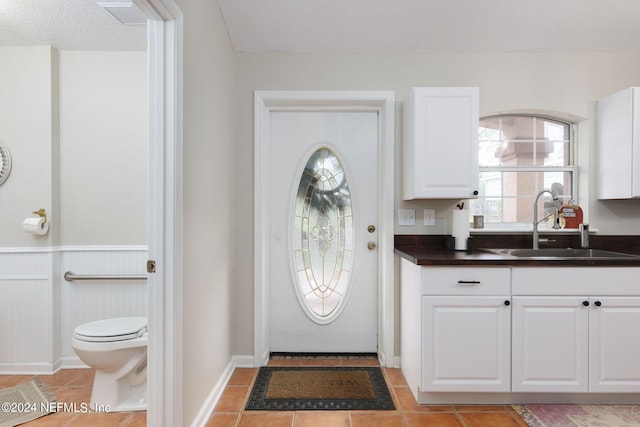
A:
(322, 237)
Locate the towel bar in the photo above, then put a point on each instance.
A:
(69, 277)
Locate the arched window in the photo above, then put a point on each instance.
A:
(521, 155)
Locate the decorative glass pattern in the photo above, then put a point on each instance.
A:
(323, 236)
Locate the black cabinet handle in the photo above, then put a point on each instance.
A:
(475, 192)
(598, 303)
(507, 302)
(468, 282)
(585, 303)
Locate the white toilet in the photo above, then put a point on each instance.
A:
(117, 349)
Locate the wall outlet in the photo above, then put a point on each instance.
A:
(406, 217)
(430, 217)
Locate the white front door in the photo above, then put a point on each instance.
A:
(323, 209)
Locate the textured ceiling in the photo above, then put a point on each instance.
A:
(433, 25)
(353, 25)
(66, 25)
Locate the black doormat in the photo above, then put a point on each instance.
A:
(295, 388)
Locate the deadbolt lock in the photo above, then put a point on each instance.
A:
(371, 228)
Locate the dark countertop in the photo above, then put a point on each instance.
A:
(432, 250)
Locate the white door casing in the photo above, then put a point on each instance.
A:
(164, 379)
(382, 103)
(319, 238)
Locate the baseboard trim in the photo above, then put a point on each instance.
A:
(67, 362)
(28, 368)
(216, 393)
(72, 362)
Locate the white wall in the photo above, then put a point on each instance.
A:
(103, 148)
(209, 189)
(27, 113)
(87, 165)
(566, 83)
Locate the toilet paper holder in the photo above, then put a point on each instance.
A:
(41, 213)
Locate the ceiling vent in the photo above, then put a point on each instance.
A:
(125, 12)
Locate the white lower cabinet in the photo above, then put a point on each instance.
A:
(583, 339)
(466, 343)
(614, 344)
(462, 318)
(520, 334)
(576, 344)
(550, 344)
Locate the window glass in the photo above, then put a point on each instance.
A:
(519, 156)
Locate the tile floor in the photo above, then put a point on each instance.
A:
(230, 409)
(73, 386)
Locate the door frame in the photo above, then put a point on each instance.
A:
(164, 55)
(383, 103)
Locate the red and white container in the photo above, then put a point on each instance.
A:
(572, 215)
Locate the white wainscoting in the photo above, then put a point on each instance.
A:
(27, 329)
(39, 309)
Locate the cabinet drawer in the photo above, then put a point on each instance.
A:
(466, 281)
(606, 281)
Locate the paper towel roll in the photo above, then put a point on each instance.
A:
(35, 226)
(460, 228)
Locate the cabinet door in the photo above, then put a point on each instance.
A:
(441, 149)
(465, 343)
(618, 143)
(550, 344)
(614, 349)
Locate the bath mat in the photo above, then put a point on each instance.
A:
(295, 388)
(25, 402)
(579, 415)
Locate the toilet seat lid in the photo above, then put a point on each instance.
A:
(118, 329)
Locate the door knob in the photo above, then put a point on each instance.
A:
(371, 245)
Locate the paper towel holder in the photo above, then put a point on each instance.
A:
(450, 243)
(42, 213)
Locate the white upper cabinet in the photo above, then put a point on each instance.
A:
(441, 143)
(619, 145)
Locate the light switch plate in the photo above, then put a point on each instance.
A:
(430, 217)
(406, 217)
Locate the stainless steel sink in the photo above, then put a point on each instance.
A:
(561, 253)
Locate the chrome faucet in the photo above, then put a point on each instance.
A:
(556, 221)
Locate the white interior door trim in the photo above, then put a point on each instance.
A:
(383, 103)
(164, 381)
